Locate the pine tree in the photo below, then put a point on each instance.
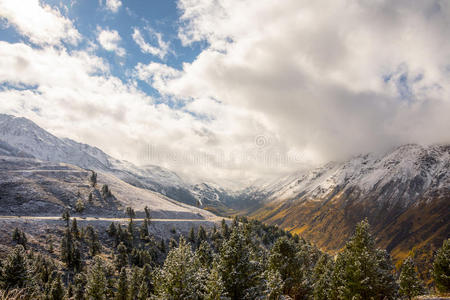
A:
(144, 230)
(121, 257)
(225, 229)
(274, 285)
(90, 198)
(66, 217)
(19, 237)
(285, 259)
(204, 254)
(92, 240)
(191, 236)
(74, 229)
(57, 289)
(96, 281)
(135, 282)
(93, 178)
(147, 280)
(122, 286)
(410, 284)
(239, 272)
(181, 276)
(79, 206)
(79, 286)
(106, 192)
(14, 270)
(441, 268)
(362, 271)
(130, 213)
(147, 213)
(112, 231)
(214, 289)
(67, 249)
(323, 272)
(201, 235)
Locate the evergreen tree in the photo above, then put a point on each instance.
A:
(323, 272)
(66, 217)
(112, 231)
(93, 179)
(191, 236)
(441, 268)
(135, 282)
(362, 271)
(274, 285)
(201, 236)
(239, 271)
(79, 206)
(122, 286)
(144, 230)
(74, 229)
(92, 240)
(67, 249)
(96, 281)
(181, 276)
(147, 280)
(79, 286)
(121, 257)
(285, 259)
(147, 213)
(90, 198)
(130, 213)
(57, 289)
(214, 288)
(204, 254)
(19, 237)
(106, 192)
(14, 269)
(410, 284)
(225, 229)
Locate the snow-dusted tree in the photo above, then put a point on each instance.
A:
(122, 286)
(240, 271)
(96, 280)
(409, 282)
(91, 237)
(441, 268)
(323, 272)
(274, 285)
(57, 288)
(79, 206)
(285, 259)
(14, 270)
(362, 271)
(204, 254)
(182, 276)
(214, 285)
(121, 259)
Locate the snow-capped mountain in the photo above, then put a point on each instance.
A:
(28, 138)
(405, 194)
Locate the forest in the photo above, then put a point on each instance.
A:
(241, 259)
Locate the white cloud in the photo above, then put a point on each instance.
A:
(328, 78)
(42, 24)
(113, 5)
(161, 50)
(110, 40)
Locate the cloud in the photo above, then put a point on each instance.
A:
(42, 24)
(113, 5)
(109, 40)
(161, 50)
(329, 78)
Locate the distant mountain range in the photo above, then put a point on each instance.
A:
(405, 194)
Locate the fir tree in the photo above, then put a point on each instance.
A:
(79, 206)
(410, 284)
(14, 269)
(147, 279)
(74, 229)
(323, 272)
(90, 198)
(362, 271)
(112, 231)
(147, 213)
(130, 213)
(285, 259)
(121, 257)
(135, 283)
(96, 281)
(79, 286)
(144, 230)
(93, 179)
(66, 217)
(181, 276)
(204, 254)
(214, 289)
(239, 272)
(191, 236)
(19, 237)
(441, 268)
(274, 285)
(225, 229)
(122, 286)
(201, 235)
(57, 289)
(92, 240)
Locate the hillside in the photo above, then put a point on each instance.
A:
(405, 195)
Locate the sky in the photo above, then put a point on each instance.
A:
(230, 90)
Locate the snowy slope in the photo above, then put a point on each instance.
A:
(414, 169)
